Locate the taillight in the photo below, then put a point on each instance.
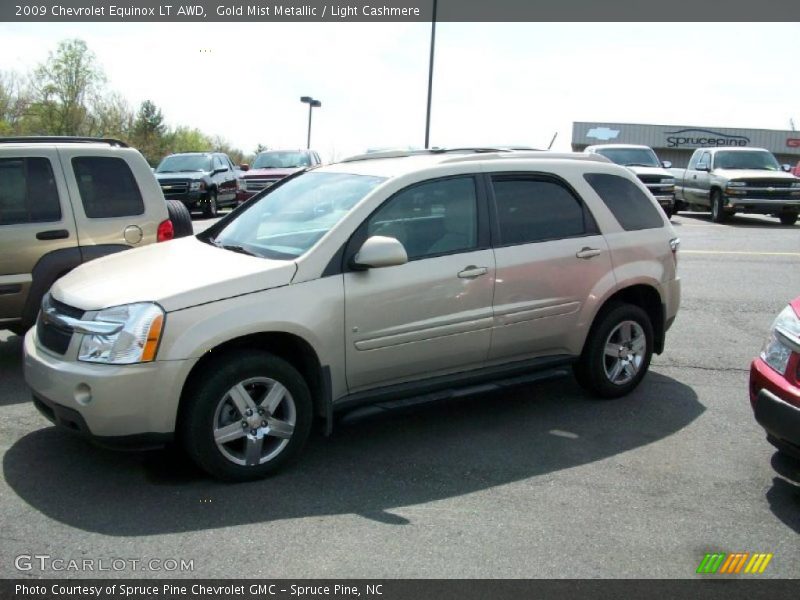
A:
(674, 245)
(165, 231)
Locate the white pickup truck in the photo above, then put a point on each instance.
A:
(644, 163)
(730, 180)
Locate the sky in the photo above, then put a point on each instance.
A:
(494, 83)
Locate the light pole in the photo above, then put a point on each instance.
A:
(311, 105)
(430, 78)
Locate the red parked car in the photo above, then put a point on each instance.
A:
(775, 382)
(271, 166)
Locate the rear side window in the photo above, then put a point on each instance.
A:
(630, 206)
(531, 210)
(28, 192)
(107, 187)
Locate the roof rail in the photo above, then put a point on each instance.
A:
(56, 139)
(539, 154)
(430, 151)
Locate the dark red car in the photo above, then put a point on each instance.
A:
(775, 382)
(271, 166)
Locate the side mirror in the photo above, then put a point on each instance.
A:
(702, 168)
(244, 167)
(221, 170)
(379, 251)
(667, 164)
(787, 168)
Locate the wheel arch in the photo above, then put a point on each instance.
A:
(645, 296)
(290, 347)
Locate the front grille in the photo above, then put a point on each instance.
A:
(661, 190)
(177, 186)
(650, 178)
(256, 185)
(769, 183)
(52, 337)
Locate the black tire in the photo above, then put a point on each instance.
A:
(181, 218)
(591, 370)
(788, 218)
(208, 408)
(717, 211)
(210, 209)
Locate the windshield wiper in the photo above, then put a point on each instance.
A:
(232, 247)
(166, 171)
(638, 165)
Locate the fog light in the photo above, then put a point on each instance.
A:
(83, 394)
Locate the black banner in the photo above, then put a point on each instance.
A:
(397, 10)
(714, 588)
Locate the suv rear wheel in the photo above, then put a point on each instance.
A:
(247, 417)
(617, 352)
(788, 218)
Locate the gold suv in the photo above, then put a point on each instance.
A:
(64, 201)
(380, 280)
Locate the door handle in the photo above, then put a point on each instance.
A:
(587, 252)
(472, 271)
(53, 234)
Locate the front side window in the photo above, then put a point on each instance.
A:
(531, 210)
(28, 192)
(107, 187)
(629, 205)
(291, 217)
(434, 218)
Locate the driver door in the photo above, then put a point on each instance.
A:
(432, 315)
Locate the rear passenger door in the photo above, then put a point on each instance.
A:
(550, 256)
(35, 221)
(107, 202)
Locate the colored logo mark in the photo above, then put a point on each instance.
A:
(735, 563)
(602, 133)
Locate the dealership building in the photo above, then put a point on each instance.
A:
(676, 143)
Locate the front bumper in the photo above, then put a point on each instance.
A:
(666, 201)
(763, 206)
(190, 199)
(776, 406)
(106, 401)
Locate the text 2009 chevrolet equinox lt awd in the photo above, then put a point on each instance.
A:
(379, 278)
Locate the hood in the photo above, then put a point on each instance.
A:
(754, 174)
(176, 274)
(182, 175)
(270, 173)
(660, 171)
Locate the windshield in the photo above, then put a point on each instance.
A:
(631, 157)
(281, 160)
(185, 162)
(292, 217)
(746, 159)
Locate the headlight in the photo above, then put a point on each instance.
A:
(668, 180)
(197, 185)
(737, 183)
(136, 342)
(241, 185)
(785, 334)
(796, 185)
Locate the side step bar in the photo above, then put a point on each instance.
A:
(379, 408)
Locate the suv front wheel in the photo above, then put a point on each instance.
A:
(617, 352)
(247, 417)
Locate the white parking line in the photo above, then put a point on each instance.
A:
(740, 252)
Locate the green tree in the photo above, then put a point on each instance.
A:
(149, 131)
(186, 139)
(14, 104)
(64, 88)
(112, 117)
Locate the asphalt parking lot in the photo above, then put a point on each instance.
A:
(541, 482)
